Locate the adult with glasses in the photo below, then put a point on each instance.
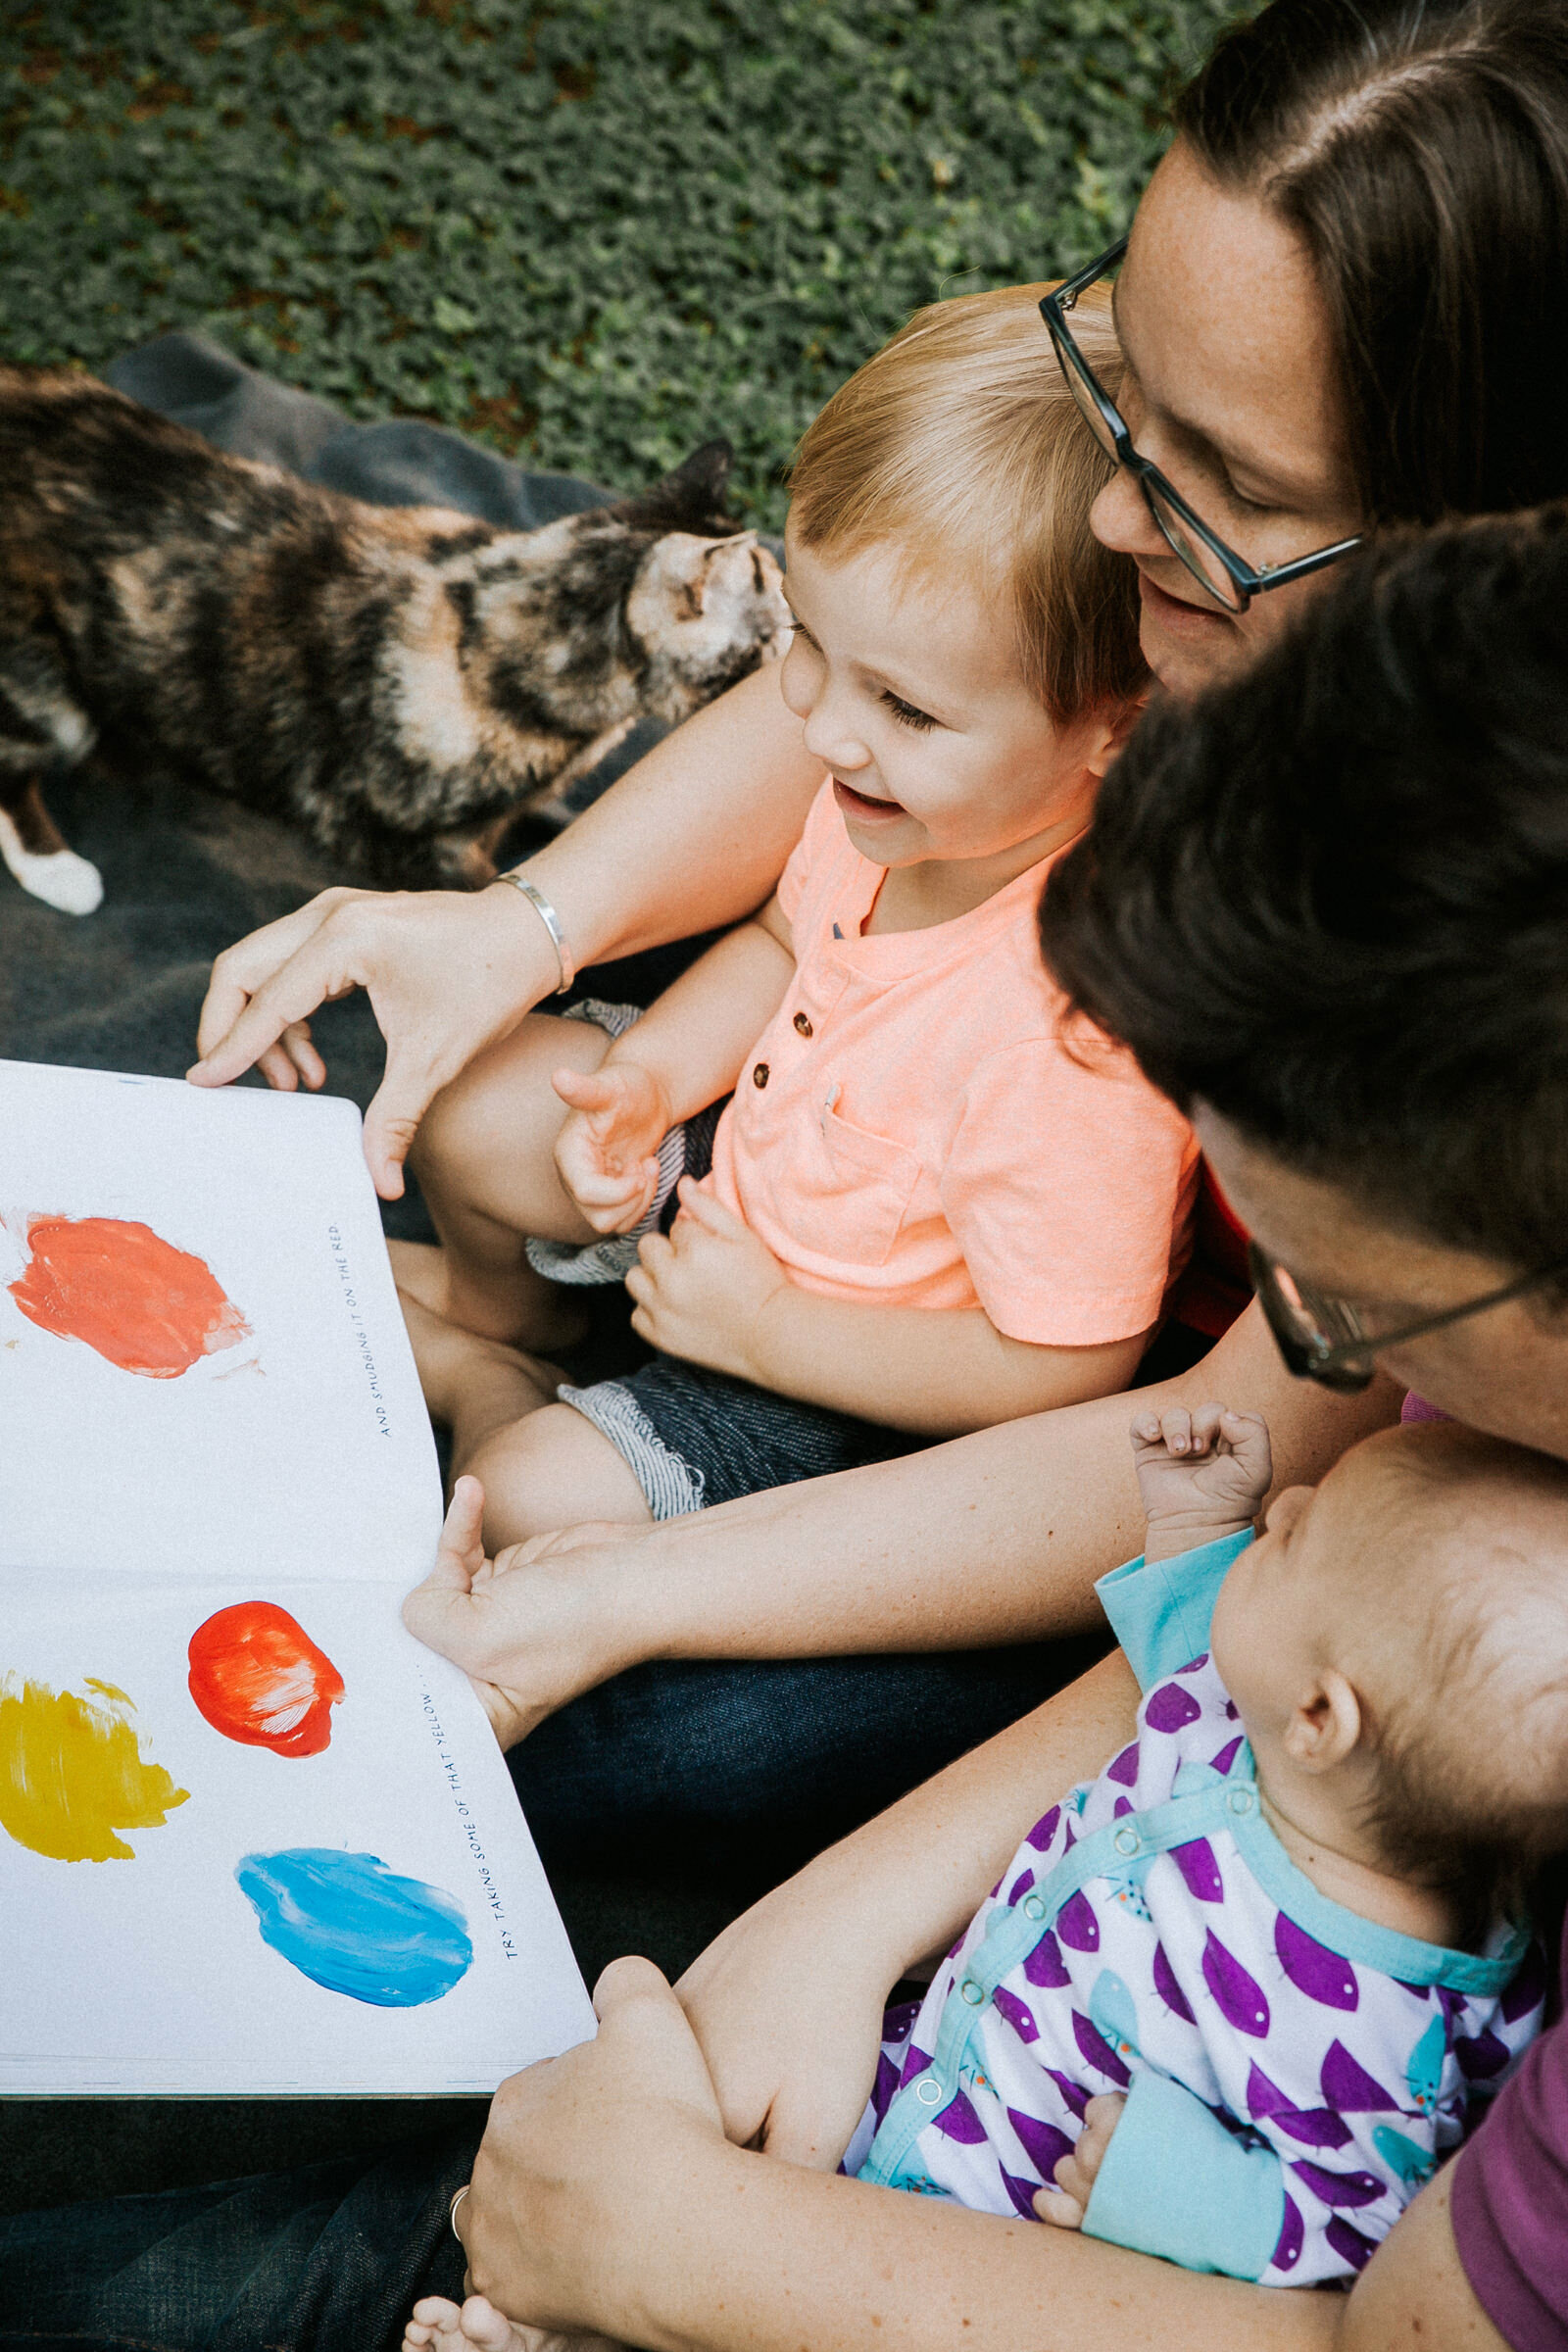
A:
(1344, 304)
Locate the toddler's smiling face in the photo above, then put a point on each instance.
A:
(913, 698)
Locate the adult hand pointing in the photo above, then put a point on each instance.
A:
(448, 973)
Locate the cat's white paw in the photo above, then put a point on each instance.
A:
(63, 880)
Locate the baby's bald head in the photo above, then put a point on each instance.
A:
(1444, 1554)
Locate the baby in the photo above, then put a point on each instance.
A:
(926, 1208)
(1282, 1919)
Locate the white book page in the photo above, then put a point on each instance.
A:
(202, 1368)
(225, 1889)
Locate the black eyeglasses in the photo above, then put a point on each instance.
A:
(1217, 568)
(1329, 1341)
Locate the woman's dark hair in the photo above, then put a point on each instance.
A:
(1419, 148)
(1330, 897)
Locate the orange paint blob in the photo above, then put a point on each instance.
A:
(259, 1678)
(125, 1293)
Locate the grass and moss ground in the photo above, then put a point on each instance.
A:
(589, 235)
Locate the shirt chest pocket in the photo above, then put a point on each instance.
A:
(852, 1190)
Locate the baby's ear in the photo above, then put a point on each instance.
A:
(1325, 1724)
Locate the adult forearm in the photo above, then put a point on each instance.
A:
(935, 1374)
(994, 1538)
(791, 2048)
(695, 835)
(768, 2257)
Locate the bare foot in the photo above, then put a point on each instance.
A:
(547, 1316)
(475, 1386)
(438, 2326)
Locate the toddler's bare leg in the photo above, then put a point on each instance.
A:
(485, 1160)
(552, 1469)
(542, 1464)
(475, 1386)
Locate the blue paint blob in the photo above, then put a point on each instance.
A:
(350, 1924)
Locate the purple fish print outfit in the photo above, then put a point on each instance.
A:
(1295, 2072)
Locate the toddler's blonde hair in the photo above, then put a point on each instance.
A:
(961, 442)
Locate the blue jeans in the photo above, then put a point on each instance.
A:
(328, 2259)
(740, 1771)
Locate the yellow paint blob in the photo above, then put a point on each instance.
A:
(72, 1775)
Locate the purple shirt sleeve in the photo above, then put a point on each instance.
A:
(1511, 2200)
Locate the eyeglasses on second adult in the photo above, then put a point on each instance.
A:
(1328, 1340)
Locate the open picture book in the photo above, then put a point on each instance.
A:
(255, 1839)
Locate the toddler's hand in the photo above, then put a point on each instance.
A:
(606, 1153)
(1075, 2174)
(1201, 1475)
(701, 1292)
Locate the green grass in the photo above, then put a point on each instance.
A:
(589, 235)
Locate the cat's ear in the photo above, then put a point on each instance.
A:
(691, 499)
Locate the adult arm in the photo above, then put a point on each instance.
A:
(694, 836)
(1413, 2296)
(994, 1538)
(791, 2042)
(606, 2196)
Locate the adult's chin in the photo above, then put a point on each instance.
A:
(1187, 646)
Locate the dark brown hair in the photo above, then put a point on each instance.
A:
(1419, 148)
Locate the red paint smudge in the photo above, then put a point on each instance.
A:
(125, 1293)
(259, 1678)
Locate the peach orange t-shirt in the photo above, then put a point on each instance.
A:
(915, 1129)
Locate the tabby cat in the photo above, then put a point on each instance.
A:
(396, 680)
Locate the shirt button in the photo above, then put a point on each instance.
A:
(972, 1992)
(802, 1024)
(1240, 1800)
(927, 2091)
(759, 1074)
(1033, 1907)
(1126, 1841)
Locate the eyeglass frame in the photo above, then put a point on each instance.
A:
(1347, 1366)
(1246, 579)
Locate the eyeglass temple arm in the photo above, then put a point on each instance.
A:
(1066, 295)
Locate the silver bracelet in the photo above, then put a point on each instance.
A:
(551, 921)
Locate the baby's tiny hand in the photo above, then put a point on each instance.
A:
(1075, 2175)
(1202, 1474)
(606, 1153)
